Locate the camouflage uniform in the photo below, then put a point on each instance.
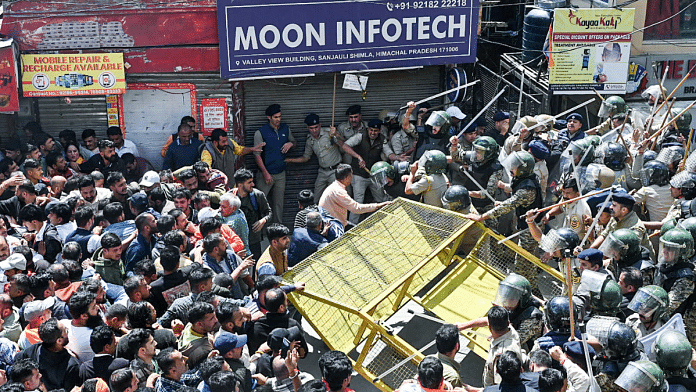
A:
(690, 325)
(606, 383)
(459, 178)
(633, 222)
(521, 198)
(675, 211)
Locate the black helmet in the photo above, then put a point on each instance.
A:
(649, 156)
(621, 341)
(456, 198)
(654, 173)
(615, 156)
(557, 312)
(559, 239)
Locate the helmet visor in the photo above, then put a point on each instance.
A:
(645, 176)
(436, 120)
(669, 156)
(508, 296)
(552, 241)
(480, 155)
(599, 327)
(645, 303)
(671, 252)
(606, 109)
(512, 162)
(576, 150)
(380, 178)
(592, 282)
(518, 127)
(613, 248)
(636, 379)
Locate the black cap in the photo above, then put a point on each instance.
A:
(273, 109)
(354, 109)
(311, 119)
(376, 123)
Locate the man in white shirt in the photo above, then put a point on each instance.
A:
(83, 309)
(123, 146)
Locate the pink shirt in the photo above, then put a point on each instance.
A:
(337, 202)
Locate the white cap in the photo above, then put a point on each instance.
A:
(149, 179)
(34, 309)
(15, 261)
(205, 213)
(455, 112)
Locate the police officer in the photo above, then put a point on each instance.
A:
(462, 153)
(679, 131)
(581, 154)
(515, 295)
(650, 305)
(526, 196)
(456, 198)
(324, 145)
(434, 183)
(601, 293)
(619, 347)
(682, 188)
(485, 168)
(623, 248)
(673, 355)
(623, 217)
(350, 128)
(435, 134)
(386, 176)
(642, 375)
(366, 149)
(557, 317)
(675, 273)
(614, 156)
(671, 155)
(572, 215)
(689, 224)
(610, 107)
(655, 195)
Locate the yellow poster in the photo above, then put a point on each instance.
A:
(51, 75)
(590, 49)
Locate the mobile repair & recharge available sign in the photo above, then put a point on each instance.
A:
(51, 75)
(282, 37)
(590, 49)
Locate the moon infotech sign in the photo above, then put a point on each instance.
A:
(279, 37)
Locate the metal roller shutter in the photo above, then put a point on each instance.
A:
(82, 113)
(301, 96)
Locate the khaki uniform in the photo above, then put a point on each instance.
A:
(542, 173)
(633, 321)
(674, 211)
(329, 156)
(508, 342)
(450, 369)
(631, 221)
(657, 200)
(403, 141)
(431, 187)
(346, 131)
(578, 380)
(572, 216)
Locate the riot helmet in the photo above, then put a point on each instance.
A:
(686, 183)
(594, 140)
(683, 123)
(611, 106)
(651, 302)
(689, 165)
(557, 311)
(670, 155)
(520, 163)
(654, 173)
(689, 224)
(649, 156)
(440, 120)
(605, 294)
(655, 92)
(559, 239)
(676, 245)
(486, 149)
(456, 198)
(582, 148)
(621, 341)
(435, 162)
(614, 156)
(621, 244)
(547, 120)
(672, 353)
(381, 171)
(514, 291)
(642, 376)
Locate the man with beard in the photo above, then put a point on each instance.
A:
(24, 194)
(141, 248)
(83, 308)
(106, 161)
(58, 368)
(120, 192)
(142, 315)
(57, 166)
(90, 193)
(353, 126)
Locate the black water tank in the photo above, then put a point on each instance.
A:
(536, 27)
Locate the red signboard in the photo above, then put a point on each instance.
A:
(9, 95)
(213, 115)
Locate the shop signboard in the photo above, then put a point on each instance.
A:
(53, 75)
(282, 37)
(590, 50)
(9, 91)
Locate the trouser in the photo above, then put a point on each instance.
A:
(360, 185)
(324, 178)
(277, 188)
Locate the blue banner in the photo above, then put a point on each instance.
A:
(280, 37)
